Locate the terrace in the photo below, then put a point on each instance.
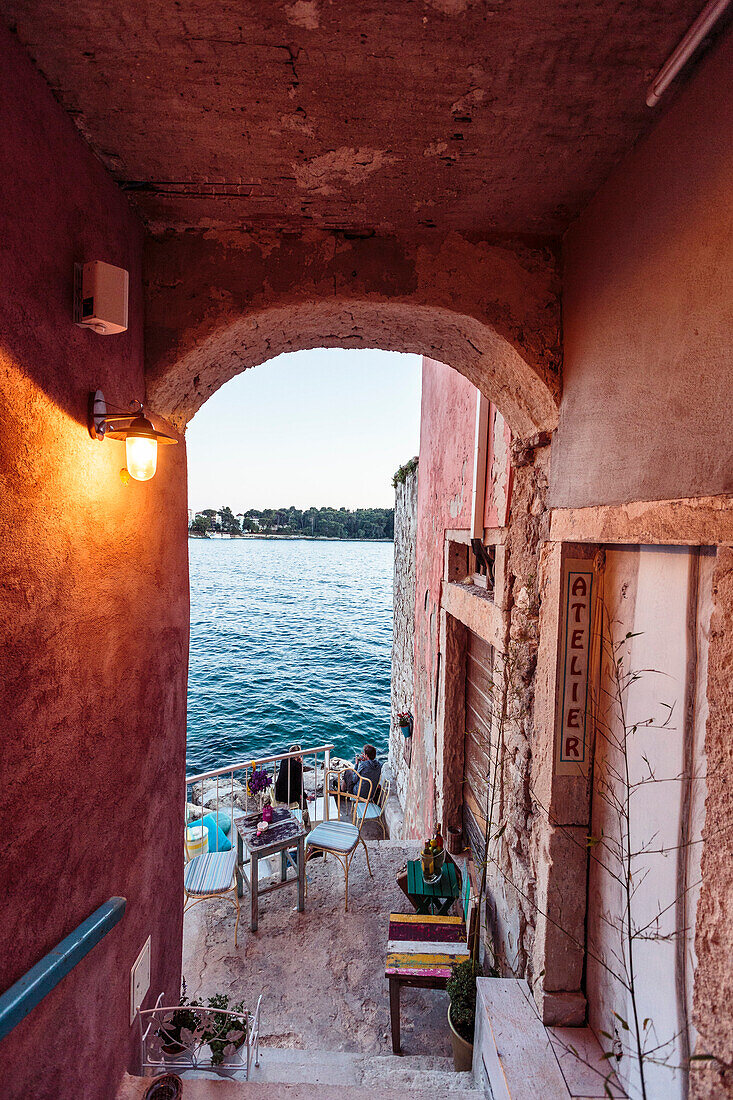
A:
(331, 1006)
(318, 975)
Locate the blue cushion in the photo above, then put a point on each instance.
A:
(372, 812)
(209, 874)
(333, 836)
(218, 841)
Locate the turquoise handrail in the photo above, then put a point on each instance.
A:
(21, 998)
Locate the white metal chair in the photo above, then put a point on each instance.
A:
(339, 838)
(374, 811)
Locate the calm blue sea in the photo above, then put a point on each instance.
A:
(290, 641)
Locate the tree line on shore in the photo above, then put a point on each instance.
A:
(335, 523)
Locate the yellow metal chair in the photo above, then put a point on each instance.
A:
(340, 838)
(212, 875)
(374, 811)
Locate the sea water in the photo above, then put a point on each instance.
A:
(291, 640)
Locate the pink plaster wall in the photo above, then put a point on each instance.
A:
(94, 611)
(445, 482)
(499, 473)
(647, 313)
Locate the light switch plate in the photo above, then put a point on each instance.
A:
(139, 980)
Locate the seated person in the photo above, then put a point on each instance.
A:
(289, 786)
(367, 767)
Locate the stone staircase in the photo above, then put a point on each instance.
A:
(327, 1075)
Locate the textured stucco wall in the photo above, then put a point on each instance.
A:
(447, 425)
(403, 634)
(94, 610)
(648, 317)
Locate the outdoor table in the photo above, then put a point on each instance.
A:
(317, 810)
(283, 833)
(436, 898)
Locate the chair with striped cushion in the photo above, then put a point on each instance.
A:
(340, 838)
(212, 876)
(374, 811)
(422, 951)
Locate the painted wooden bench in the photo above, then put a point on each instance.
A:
(422, 950)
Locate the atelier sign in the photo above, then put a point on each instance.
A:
(571, 749)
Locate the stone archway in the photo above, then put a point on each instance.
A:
(219, 304)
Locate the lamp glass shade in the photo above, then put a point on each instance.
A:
(142, 456)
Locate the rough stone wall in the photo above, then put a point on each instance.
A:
(512, 901)
(94, 614)
(403, 637)
(713, 995)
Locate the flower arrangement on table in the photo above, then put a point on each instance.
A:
(259, 781)
(258, 786)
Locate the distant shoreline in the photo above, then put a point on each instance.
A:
(282, 538)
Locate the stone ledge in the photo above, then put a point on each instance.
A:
(476, 609)
(692, 521)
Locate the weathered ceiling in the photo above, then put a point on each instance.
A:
(356, 115)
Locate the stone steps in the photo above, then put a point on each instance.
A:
(203, 1089)
(366, 1070)
(307, 1075)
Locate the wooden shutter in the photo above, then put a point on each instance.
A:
(476, 755)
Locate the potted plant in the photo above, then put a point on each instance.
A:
(224, 1035)
(177, 1029)
(404, 721)
(462, 1012)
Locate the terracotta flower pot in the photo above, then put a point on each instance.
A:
(462, 1051)
(454, 840)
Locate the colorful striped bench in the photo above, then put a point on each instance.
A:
(421, 952)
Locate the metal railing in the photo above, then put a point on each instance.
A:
(229, 788)
(29, 990)
(194, 1036)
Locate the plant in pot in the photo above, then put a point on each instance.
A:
(404, 721)
(461, 989)
(224, 1034)
(177, 1031)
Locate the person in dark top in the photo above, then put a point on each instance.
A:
(367, 767)
(289, 783)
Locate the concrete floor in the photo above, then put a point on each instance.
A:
(321, 972)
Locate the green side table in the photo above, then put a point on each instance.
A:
(432, 898)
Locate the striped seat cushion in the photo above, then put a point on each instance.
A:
(424, 947)
(210, 874)
(333, 836)
(372, 812)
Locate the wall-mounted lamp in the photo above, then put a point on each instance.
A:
(141, 438)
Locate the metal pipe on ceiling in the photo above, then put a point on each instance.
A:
(677, 60)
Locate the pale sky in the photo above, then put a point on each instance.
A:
(308, 429)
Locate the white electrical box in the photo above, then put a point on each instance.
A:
(100, 297)
(139, 980)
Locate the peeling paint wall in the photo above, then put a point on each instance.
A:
(403, 638)
(447, 426)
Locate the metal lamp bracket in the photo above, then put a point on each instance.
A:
(103, 421)
(97, 415)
